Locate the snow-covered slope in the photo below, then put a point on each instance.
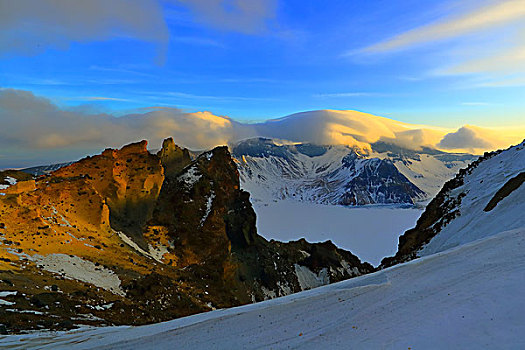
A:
(481, 200)
(476, 219)
(271, 170)
(470, 297)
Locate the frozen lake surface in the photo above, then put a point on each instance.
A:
(369, 232)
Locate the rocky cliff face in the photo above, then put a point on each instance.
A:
(481, 200)
(130, 237)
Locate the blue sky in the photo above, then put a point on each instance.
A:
(407, 60)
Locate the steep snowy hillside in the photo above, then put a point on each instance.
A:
(483, 199)
(388, 174)
(470, 297)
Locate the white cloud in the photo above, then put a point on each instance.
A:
(29, 27)
(249, 17)
(503, 82)
(500, 51)
(349, 94)
(186, 96)
(35, 131)
(497, 14)
(506, 61)
(475, 104)
(467, 138)
(196, 41)
(99, 98)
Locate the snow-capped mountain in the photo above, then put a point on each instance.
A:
(337, 174)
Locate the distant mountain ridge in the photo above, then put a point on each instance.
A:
(272, 169)
(45, 169)
(335, 174)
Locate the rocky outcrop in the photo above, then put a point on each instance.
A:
(172, 157)
(130, 237)
(509, 187)
(128, 180)
(378, 181)
(7, 177)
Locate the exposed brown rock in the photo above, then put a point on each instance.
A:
(173, 158)
(179, 235)
(129, 180)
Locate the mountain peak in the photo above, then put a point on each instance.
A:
(172, 157)
(341, 174)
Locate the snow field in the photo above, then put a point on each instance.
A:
(469, 297)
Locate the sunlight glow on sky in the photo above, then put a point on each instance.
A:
(445, 63)
(78, 76)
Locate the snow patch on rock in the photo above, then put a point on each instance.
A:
(74, 267)
(209, 203)
(190, 177)
(308, 279)
(6, 294)
(157, 252)
(10, 180)
(268, 294)
(154, 252)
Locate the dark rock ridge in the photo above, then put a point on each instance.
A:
(130, 237)
(378, 181)
(509, 187)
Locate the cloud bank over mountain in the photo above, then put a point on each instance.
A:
(465, 137)
(36, 131)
